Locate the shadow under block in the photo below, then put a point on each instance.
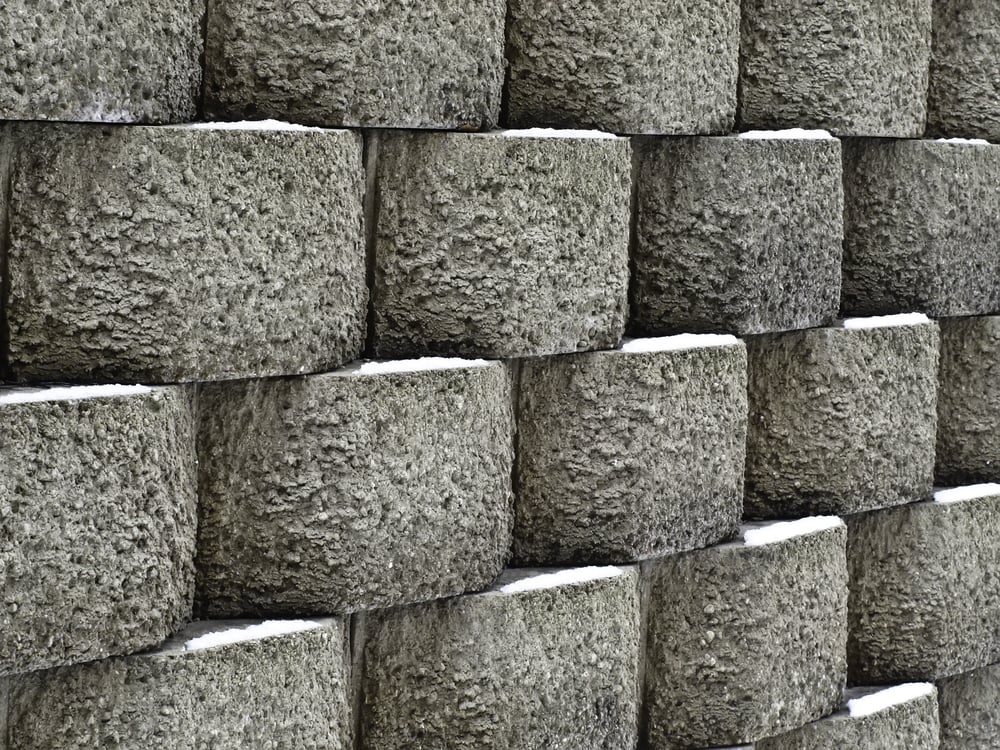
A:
(747, 640)
(97, 522)
(853, 67)
(184, 253)
(968, 705)
(740, 235)
(351, 491)
(841, 419)
(542, 659)
(500, 246)
(402, 64)
(623, 455)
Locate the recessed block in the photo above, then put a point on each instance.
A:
(968, 705)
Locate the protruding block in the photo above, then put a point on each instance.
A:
(543, 659)
(842, 419)
(627, 454)
(500, 246)
(968, 705)
(97, 522)
(185, 253)
(373, 486)
(738, 234)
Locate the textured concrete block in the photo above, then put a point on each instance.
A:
(627, 67)
(920, 224)
(216, 685)
(184, 253)
(627, 454)
(746, 640)
(404, 64)
(842, 419)
(968, 705)
(97, 522)
(738, 234)
(543, 659)
(498, 246)
(369, 487)
(853, 67)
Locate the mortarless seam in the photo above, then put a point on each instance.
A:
(6, 197)
(371, 212)
(357, 637)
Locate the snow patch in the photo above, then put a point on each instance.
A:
(266, 629)
(678, 342)
(883, 699)
(886, 321)
(782, 530)
(389, 367)
(251, 125)
(965, 141)
(792, 134)
(557, 133)
(566, 577)
(27, 395)
(969, 492)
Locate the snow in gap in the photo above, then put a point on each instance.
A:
(251, 125)
(886, 321)
(554, 133)
(792, 134)
(560, 578)
(969, 492)
(267, 629)
(782, 530)
(680, 341)
(965, 141)
(414, 365)
(27, 395)
(883, 699)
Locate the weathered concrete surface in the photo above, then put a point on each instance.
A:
(745, 641)
(552, 667)
(920, 223)
(178, 254)
(626, 66)
(853, 67)
(496, 246)
(737, 235)
(348, 491)
(101, 60)
(97, 525)
(841, 420)
(622, 456)
(404, 64)
(968, 705)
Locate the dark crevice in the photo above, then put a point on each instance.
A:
(516, 370)
(371, 210)
(6, 196)
(507, 57)
(645, 587)
(204, 61)
(356, 654)
(638, 144)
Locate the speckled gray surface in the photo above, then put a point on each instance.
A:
(968, 708)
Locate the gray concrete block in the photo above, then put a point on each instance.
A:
(968, 706)
(497, 246)
(920, 222)
(97, 522)
(628, 454)
(852, 67)
(184, 253)
(215, 685)
(404, 64)
(369, 487)
(543, 659)
(626, 67)
(842, 419)
(738, 234)
(747, 640)
(101, 60)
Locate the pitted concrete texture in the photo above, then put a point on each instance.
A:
(920, 223)
(555, 667)
(625, 66)
(97, 526)
(500, 246)
(841, 420)
(738, 235)
(623, 456)
(287, 691)
(101, 60)
(178, 254)
(925, 599)
(853, 67)
(968, 705)
(345, 492)
(357, 63)
(744, 641)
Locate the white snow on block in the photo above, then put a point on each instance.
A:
(965, 141)
(968, 492)
(266, 629)
(792, 134)
(556, 133)
(566, 577)
(679, 342)
(29, 395)
(424, 364)
(251, 125)
(886, 321)
(878, 701)
(756, 536)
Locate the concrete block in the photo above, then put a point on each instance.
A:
(968, 706)
(628, 454)
(101, 60)
(920, 222)
(852, 67)
(497, 246)
(373, 486)
(221, 685)
(842, 419)
(184, 253)
(404, 64)
(738, 234)
(624, 66)
(97, 522)
(746, 640)
(925, 600)
(543, 659)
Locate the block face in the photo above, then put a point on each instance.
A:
(499, 246)
(177, 254)
(968, 706)
(403, 64)
(737, 235)
(852, 67)
(626, 67)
